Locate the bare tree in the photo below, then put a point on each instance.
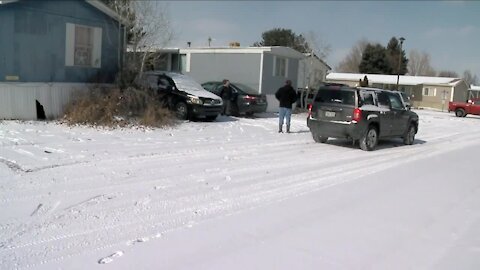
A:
(448, 73)
(470, 78)
(318, 46)
(149, 29)
(154, 30)
(352, 61)
(419, 64)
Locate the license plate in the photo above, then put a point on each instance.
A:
(330, 114)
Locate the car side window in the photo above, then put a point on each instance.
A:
(216, 90)
(395, 101)
(476, 102)
(367, 98)
(163, 84)
(383, 100)
(208, 86)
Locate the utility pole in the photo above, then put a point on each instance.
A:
(400, 58)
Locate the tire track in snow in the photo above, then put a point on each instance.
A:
(265, 194)
(238, 195)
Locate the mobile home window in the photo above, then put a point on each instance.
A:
(83, 46)
(429, 91)
(280, 67)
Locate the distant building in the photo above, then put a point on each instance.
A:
(48, 49)
(312, 71)
(262, 68)
(474, 91)
(429, 92)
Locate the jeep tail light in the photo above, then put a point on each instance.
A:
(357, 115)
(309, 106)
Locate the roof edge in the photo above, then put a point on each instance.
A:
(105, 9)
(95, 3)
(2, 2)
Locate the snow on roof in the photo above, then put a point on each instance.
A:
(392, 79)
(474, 87)
(318, 58)
(277, 50)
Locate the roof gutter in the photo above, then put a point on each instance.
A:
(105, 9)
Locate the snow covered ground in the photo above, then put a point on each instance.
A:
(235, 194)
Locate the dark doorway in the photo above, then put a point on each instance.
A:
(40, 111)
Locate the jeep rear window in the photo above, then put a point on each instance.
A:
(336, 96)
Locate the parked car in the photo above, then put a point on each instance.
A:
(461, 109)
(248, 100)
(360, 114)
(182, 94)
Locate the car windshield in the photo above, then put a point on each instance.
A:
(244, 88)
(336, 96)
(185, 82)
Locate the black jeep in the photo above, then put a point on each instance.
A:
(360, 114)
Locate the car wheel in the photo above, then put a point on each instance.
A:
(319, 139)
(409, 137)
(459, 112)
(249, 114)
(369, 140)
(181, 110)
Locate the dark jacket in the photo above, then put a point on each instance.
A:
(226, 93)
(287, 96)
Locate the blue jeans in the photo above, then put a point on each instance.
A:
(284, 113)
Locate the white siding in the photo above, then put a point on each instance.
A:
(17, 100)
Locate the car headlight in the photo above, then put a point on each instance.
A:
(194, 100)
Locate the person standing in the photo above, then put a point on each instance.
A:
(286, 95)
(226, 94)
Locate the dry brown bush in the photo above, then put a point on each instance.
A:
(113, 107)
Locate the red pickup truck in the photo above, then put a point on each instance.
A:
(461, 109)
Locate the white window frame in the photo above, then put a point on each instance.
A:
(96, 58)
(276, 73)
(429, 92)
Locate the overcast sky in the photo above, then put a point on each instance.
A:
(448, 31)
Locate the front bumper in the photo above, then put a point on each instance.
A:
(205, 110)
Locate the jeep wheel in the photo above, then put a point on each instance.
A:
(459, 112)
(369, 141)
(409, 137)
(181, 110)
(319, 139)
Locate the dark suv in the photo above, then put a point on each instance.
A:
(360, 114)
(182, 94)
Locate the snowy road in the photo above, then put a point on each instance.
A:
(231, 194)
